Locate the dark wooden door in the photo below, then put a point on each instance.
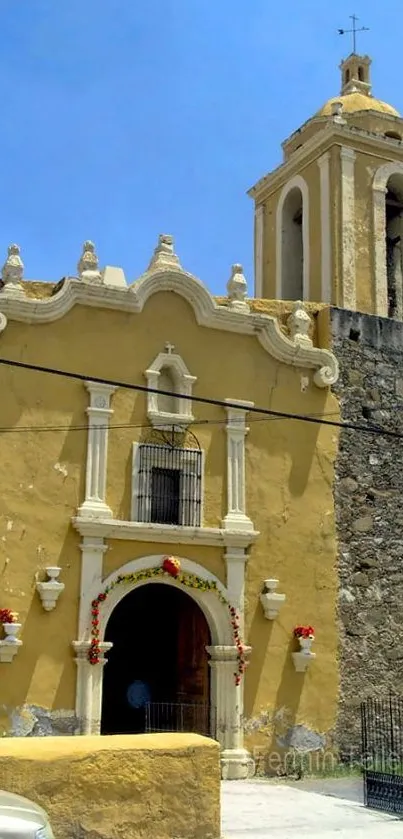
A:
(193, 676)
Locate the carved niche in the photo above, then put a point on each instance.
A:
(169, 373)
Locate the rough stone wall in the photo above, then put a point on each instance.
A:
(369, 514)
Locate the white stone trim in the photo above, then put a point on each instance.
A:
(325, 228)
(184, 385)
(92, 551)
(141, 483)
(208, 312)
(130, 531)
(379, 188)
(236, 559)
(297, 182)
(259, 246)
(236, 518)
(226, 697)
(98, 412)
(348, 284)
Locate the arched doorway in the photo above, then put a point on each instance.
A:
(157, 674)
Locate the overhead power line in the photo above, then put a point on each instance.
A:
(203, 400)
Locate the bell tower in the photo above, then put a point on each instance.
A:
(329, 219)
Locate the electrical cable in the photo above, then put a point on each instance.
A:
(203, 400)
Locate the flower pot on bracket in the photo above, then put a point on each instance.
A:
(271, 600)
(10, 645)
(50, 590)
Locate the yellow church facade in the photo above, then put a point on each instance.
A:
(103, 481)
(168, 518)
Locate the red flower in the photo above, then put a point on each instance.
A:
(8, 616)
(171, 565)
(304, 632)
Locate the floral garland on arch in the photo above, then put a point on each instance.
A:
(170, 567)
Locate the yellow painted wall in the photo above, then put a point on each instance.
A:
(161, 785)
(289, 493)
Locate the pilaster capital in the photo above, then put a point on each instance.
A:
(347, 154)
(323, 160)
(100, 396)
(93, 544)
(81, 649)
(220, 654)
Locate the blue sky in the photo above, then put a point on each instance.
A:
(122, 119)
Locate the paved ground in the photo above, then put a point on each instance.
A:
(314, 809)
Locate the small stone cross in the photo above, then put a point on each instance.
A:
(169, 348)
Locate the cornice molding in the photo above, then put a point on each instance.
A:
(332, 133)
(160, 533)
(207, 312)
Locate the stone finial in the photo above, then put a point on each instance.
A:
(88, 267)
(164, 255)
(337, 112)
(299, 324)
(237, 289)
(337, 108)
(13, 268)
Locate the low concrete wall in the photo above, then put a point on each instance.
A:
(151, 786)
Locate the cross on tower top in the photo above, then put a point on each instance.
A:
(353, 31)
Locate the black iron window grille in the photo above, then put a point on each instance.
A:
(167, 485)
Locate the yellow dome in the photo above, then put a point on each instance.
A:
(358, 102)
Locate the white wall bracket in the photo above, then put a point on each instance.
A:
(271, 600)
(302, 660)
(50, 590)
(10, 645)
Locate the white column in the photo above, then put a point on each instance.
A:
(236, 559)
(98, 412)
(89, 688)
(325, 237)
(236, 518)
(347, 157)
(92, 551)
(259, 240)
(379, 237)
(227, 702)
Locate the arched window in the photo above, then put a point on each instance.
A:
(292, 245)
(387, 198)
(394, 245)
(347, 77)
(361, 74)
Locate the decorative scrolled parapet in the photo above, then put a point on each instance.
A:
(297, 351)
(3, 322)
(88, 266)
(299, 324)
(164, 255)
(13, 272)
(237, 289)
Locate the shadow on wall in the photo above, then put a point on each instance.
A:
(44, 672)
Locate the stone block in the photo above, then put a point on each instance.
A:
(120, 787)
(363, 524)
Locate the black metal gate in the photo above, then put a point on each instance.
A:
(382, 742)
(189, 717)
